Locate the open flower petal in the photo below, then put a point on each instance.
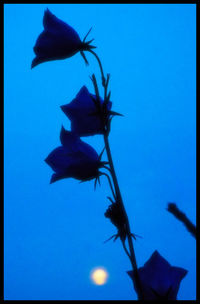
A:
(159, 280)
(74, 159)
(71, 141)
(82, 111)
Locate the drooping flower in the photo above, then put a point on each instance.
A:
(74, 159)
(159, 280)
(58, 41)
(87, 114)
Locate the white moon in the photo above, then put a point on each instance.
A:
(99, 276)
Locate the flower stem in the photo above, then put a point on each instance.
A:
(110, 183)
(101, 68)
(118, 193)
(119, 199)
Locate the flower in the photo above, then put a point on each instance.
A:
(159, 280)
(74, 159)
(58, 41)
(87, 115)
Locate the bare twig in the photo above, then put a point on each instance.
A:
(172, 208)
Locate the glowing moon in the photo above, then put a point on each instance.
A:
(99, 276)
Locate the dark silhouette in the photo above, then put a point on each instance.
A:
(74, 159)
(84, 111)
(89, 115)
(58, 41)
(172, 208)
(159, 279)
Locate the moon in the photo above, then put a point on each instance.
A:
(99, 276)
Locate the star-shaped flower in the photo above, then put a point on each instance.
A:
(87, 114)
(158, 279)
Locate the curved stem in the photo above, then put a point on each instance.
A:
(101, 68)
(107, 168)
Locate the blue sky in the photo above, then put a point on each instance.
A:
(53, 234)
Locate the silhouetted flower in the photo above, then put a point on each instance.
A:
(58, 41)
(88, 114)
(159, 280)
(74, 159)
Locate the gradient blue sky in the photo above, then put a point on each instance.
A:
(54, 233)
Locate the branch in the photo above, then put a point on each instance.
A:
(172, 208)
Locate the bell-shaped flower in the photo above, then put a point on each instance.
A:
(158, 279)
(74, 159)
(58, 41)
(88, 114)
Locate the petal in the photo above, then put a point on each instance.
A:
(75, 145)
(57, 41)
(60, 160)
(53, 46)
(177, 274)
(69, 140)
(83, 100)
(83, 97)
(53, 24)
(56, 176)
(36, 61)
(84, 125)
(46, 43)
(74, 159)
(157, 271)
(158, 278)
(89, 152)
(81, 113)
(157, 262)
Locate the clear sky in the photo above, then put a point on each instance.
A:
(54, 233)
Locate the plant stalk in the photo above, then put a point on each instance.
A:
(101, 68)
(119, 199)
(118, 193)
